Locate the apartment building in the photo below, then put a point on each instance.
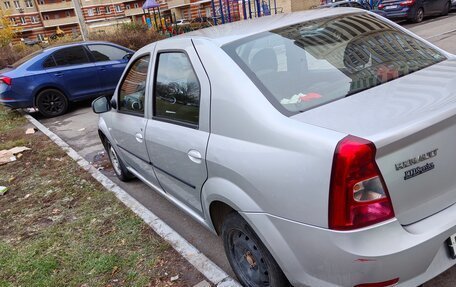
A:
(39, 19)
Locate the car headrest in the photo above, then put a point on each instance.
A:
(264, 60)
(356, 56)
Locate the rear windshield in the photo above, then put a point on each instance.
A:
(25, 59)
(305, 65)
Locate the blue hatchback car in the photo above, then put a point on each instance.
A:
(53, 77)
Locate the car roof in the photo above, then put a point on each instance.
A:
(223, 34)
(58, 46)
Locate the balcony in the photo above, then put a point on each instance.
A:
(56, 6)
(60, 22)
(86, 3)
(134, 11)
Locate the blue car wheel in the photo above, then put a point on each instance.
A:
(51, 103)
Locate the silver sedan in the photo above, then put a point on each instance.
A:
(319, 145)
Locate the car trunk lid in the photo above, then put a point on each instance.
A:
(412, 122)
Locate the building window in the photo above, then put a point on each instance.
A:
(90, 12)
(127, 7)
(40, 37)
(98, 10)
(41, 2)
(17, 4)
(46, 17)
(118, 9)
(136, 5)
(13, 21)
(7, 5)
(28, 3)
(34, 19)
(23, 21)
(68, 14)
(108, 10)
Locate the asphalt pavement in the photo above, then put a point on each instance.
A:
(79, 129)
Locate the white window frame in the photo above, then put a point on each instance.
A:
(40, 37)
(118, 9)
(136, 5)
(17, 4)
(90, 12)
(42, 2)
(7, 4)
(34, 19)
(108, 10)
(13, 21)
(23, 20)
(127, 7)
(28, 3)
(46, 17)
(68, 14)
(98, 11)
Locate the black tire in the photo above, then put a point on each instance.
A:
(419, 16)
(249, 258)
(51, 103)
(446, 9)
(117, 165)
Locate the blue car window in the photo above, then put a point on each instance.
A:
(71, 56)
(103, 53)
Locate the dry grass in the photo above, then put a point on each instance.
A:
(59, 227)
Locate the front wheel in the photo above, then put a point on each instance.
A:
(119, 168)
(51, 103)
(249, 258)
(419, 16)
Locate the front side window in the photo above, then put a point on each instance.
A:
(71, 56)
(177, 90)
(132, 91)
(305, 65)
(103, 53)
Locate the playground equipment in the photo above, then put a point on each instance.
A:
(250, 9)
(147, 6)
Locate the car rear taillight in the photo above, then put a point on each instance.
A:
(358, 196)
(6, 80)
(381, 6)
(389, 283)
(407, 3)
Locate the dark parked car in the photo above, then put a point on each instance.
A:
(354, 4)
(414, 10)
(53, 77)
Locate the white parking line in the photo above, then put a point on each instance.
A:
(203, 264)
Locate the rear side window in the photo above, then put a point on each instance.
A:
(103, 53)
(133, 88)
(71, 56)
(305, 65)
(177, 90)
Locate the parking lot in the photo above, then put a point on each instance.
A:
(79, 129)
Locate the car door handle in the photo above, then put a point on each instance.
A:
(59, 74)
(139, 137)
(194, 156)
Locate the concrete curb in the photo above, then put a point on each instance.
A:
(203, 264)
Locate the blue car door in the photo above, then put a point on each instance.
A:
(110, 62)
(73, 71)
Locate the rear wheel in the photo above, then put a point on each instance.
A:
(51, 103)
(419, 16)
(119, 168)
(250, 259)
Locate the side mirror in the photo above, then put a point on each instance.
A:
(101, 105)
(128, 56)
(113, 103)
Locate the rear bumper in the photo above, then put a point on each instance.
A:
(12, 100)
(404, 13)
(313, 256)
